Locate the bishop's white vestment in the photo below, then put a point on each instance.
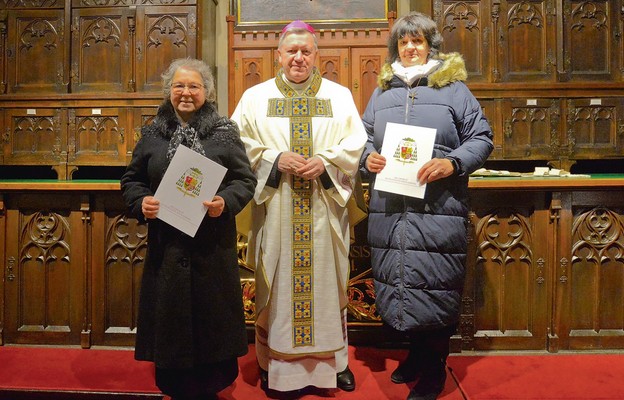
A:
(299, 236)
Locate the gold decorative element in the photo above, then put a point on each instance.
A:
(248, 287)
(361, 295)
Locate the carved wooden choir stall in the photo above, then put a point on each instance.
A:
(79, 78)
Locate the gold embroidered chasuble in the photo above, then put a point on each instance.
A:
(300, 108)
(298, 232)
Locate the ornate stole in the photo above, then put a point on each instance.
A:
(300, 108)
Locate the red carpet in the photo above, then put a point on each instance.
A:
(48, 368)
(543, 377)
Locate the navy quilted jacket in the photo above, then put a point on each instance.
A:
(418, 246)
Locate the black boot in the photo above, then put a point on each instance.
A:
(435, 350)
(431, 382)
(409, 369)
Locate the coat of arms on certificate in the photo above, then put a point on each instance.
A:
(406, 151)
(190, 182)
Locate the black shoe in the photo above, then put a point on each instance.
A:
(264, 379)
(408, 370)
(345, 380)
(431, 383)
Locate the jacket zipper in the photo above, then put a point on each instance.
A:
(402, 266)
(407, 98)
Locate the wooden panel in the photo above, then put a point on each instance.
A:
(592, 264)
(100, 50)
(5, 132)
(34, 136)
(45, 302)
(465, 27)
(8, 264)
(366, 63)
(544, 268)
(491, 110)
(506, 298)
(163, 33)
(333, 64)
(595, 128)
(530, 128)
(118, 254)
(592, 37)
(141, 116)
(36, 51)
(526, 41)
(250, 68)
(3, 52)
(17, 4)
(97, 136)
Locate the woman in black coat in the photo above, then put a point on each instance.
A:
(418, 246)
(191, 322)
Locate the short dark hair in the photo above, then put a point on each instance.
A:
(414, 24)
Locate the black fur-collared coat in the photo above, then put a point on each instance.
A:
(190, 308)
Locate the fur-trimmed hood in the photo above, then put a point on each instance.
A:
(452, 69)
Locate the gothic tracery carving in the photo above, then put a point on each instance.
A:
(598, 236)
(102, 30)
(39, 29)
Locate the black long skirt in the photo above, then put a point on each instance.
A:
(198, 382)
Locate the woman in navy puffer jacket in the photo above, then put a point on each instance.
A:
(419, 245)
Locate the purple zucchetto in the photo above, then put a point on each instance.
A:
(299, 24)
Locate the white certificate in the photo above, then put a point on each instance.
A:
(189, 180)
(406, 148)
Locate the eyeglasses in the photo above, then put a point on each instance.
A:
(193, 88)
